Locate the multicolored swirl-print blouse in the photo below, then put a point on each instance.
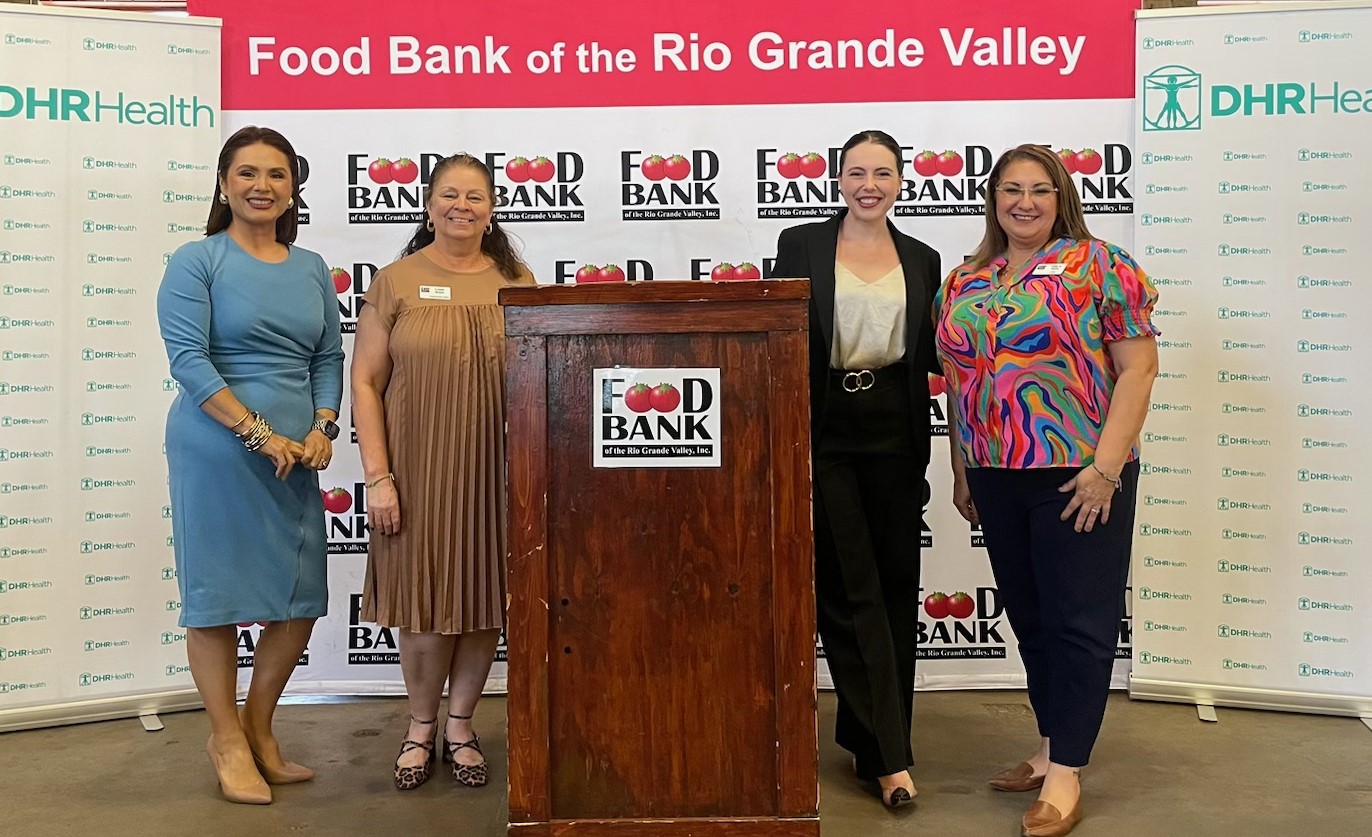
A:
(1026, 359)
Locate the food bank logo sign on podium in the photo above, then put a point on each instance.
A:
(655, 418)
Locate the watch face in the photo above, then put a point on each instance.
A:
(328, 428)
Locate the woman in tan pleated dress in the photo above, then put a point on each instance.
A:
(427, 391)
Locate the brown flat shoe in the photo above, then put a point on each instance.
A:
(1044, 820)
(1016, 779)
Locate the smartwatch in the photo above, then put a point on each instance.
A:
(328, 428)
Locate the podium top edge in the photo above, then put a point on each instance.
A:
(617, 293)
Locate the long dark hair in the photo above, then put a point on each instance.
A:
(495, 244)
(1070, 223)
(881, 138)
(220, 214)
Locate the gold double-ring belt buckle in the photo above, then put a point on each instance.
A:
(859, 380)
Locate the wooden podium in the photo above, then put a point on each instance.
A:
(661, 619)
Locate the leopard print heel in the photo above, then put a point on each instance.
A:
(471, 775)
(409, 778)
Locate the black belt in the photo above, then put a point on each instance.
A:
(857, 380)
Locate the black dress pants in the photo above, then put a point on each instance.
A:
(1063, 593)
(868, 492)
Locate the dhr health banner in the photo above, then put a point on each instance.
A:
(110, 127)
(667, 144)
(1254, 138)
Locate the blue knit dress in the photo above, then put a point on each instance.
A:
(249, 547)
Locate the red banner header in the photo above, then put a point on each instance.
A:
(343, 54)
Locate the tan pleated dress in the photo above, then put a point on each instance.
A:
(444, 572)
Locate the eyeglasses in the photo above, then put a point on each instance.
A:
(1016, 191)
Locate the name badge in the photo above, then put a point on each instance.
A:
(1049, 269)
(440, 292)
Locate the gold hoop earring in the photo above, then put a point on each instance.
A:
(290, 202)
(429, 225)
(490, 227)
(223, 199)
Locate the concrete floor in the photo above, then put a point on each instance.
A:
(1157, 771)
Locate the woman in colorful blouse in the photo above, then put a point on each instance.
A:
(1045, 339)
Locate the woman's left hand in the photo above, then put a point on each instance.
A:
(318, 451)
(1091, 497)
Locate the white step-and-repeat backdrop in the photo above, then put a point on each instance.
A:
(572, 107)
(109, 128)
(1254, 134)
(667, 144)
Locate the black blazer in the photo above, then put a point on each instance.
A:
(809, 250)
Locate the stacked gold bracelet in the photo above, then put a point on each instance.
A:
(257, 433)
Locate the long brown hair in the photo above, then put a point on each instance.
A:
(220, 214)
(1070, 223)
(495, 244)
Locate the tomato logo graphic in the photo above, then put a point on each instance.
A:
(380, 171)
(337, 500)
(677, 167)
(665, 398)
(517, 170)
(404, 170)
(1088, 161)
(936, 605)
(812, 165)
(589, 273)
(789, 166)
(726, 272)
(1069, 160)
(654, 168)
(926, 164)
(541, 170)
(639, 398)
(341, 280)
(747, 270)
(949, 163)
(960, 605)
(937, 385)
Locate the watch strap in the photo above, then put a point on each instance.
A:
(327, 427)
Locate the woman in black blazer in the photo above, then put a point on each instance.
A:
(871, 349)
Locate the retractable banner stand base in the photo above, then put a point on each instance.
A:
(675, 146)
(1251, 582)
(1242, 697)
(110, 125)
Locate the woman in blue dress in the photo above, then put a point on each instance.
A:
(250, 323)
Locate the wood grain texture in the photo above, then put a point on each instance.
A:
(527, 618)
(674, 828)
(654, 318)
(661, 677)
(661, 620)
(793, 536)
(668, 292)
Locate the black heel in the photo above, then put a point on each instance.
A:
(471, 775)
(897, 798)
(409, 778)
